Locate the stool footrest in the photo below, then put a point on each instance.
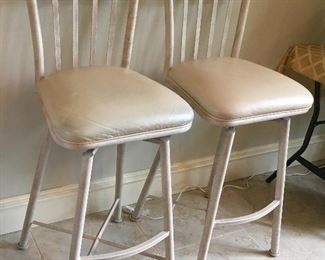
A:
(132, 250)
(152, 242)
(250, 217)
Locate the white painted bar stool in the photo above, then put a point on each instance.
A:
(90, 107)
(230, 92)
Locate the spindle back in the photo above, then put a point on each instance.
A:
(170, 28)
(36, 29)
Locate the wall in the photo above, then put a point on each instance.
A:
(273, 26)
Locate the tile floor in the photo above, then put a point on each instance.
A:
(303, 233)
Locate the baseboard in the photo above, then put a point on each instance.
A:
(188, 173)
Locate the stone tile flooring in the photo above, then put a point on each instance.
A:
(303, 232)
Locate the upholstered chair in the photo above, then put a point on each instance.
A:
(90, 107)
(229, 92)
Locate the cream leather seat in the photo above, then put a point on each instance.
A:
(227, 92)
(94, 105)
(232, 91)
(87, 108)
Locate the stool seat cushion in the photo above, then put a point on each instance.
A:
(231, 91)
(95, 106)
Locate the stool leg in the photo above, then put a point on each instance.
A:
(280, 183)
(310, 130)
(81, 206)
(135, 215)
(38, 177)
(208, 190)
(167, 198)
(221, 161)
(119, 182)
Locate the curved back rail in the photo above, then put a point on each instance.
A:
(170, 28)
(37, 38)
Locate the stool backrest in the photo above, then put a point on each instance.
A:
(170, 28)
(36, 29)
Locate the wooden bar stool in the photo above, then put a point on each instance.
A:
(229, 92)
(94, 106)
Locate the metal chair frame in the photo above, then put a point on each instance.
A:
(224, 146)
(88, 152)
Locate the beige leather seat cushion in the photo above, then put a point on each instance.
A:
(230, 91)
(94, 106)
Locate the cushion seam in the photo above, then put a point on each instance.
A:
(57, 136)
(210, 116)
(114, 138)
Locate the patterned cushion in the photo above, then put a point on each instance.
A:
(308, 60)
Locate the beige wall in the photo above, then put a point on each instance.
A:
(273, 26)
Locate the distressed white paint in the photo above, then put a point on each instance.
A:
(186, 173)
(93, 32)
(21, 120)
(57, 36)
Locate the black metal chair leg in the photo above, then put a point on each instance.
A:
(312, 124)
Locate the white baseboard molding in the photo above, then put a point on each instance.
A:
(58, 204)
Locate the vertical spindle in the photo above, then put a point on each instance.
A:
(198, 29)
(226, 28)
(57, 39)
(129, 33)
(243, 13)
(111, 31)
(93, 32)
(184, 29)
(212, 27)
(75, 37)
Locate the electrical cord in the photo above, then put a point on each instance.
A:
(129, 209)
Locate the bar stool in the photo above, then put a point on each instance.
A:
(87, 108)
(229, 92)
(309, 61)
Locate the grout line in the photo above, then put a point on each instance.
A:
(142, 230)
(187, 246)
(252, 237)
(154, 249)
(37, 246)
